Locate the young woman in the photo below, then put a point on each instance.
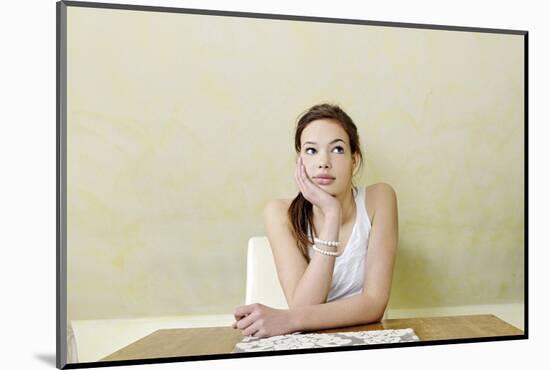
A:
(334, 245)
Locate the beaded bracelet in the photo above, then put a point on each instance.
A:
(327, 242)
(327, 253)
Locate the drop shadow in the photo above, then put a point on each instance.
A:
(47, 358)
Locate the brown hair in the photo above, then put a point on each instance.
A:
(300, 212)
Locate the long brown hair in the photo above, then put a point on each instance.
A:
(300, 212)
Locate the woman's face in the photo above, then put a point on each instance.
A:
(327, 156)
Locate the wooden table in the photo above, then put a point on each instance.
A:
(221, 340)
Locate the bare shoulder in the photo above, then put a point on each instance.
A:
(383, 190)
(277, 209)
(380, 196)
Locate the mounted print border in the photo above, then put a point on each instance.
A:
(173, 129)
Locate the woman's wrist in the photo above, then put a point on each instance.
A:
(331, 208)
(294, 319)
(332, 221)
(331, 227)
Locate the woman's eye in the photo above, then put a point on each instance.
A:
(338, 149)
(310, 151)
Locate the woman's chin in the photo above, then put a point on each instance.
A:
(329, 189)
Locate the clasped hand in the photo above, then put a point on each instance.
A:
(259, 320)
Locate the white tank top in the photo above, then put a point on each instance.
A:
(349, 268)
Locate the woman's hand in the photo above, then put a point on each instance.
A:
(313, 193)
(262, 321)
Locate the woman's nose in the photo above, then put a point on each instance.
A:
(323, 159)
(324, 164)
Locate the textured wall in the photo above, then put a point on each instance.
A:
(180, 129)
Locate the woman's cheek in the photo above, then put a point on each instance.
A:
(308, 171)
(307, 168)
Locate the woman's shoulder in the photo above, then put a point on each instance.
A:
(380, 189)
(277, 208)
(378, 195)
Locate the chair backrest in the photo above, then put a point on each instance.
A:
(262, 283)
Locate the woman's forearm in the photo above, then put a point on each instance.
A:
(357, 310)
(314, 286)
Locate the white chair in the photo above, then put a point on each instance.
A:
(262, 283)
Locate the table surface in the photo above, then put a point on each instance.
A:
(219, 340)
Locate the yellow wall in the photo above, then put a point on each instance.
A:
(180, 129)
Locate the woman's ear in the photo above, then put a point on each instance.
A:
(355, 159)
(355, 162)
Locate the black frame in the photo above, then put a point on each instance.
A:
(61, 180)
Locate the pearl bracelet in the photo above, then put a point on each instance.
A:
(327, 253)
(327, 242)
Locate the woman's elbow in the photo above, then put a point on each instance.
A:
(379, 316)
(372, 317)
(376, 308)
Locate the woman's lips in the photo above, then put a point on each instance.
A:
(324, 180)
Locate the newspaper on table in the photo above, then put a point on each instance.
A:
(323, 340)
